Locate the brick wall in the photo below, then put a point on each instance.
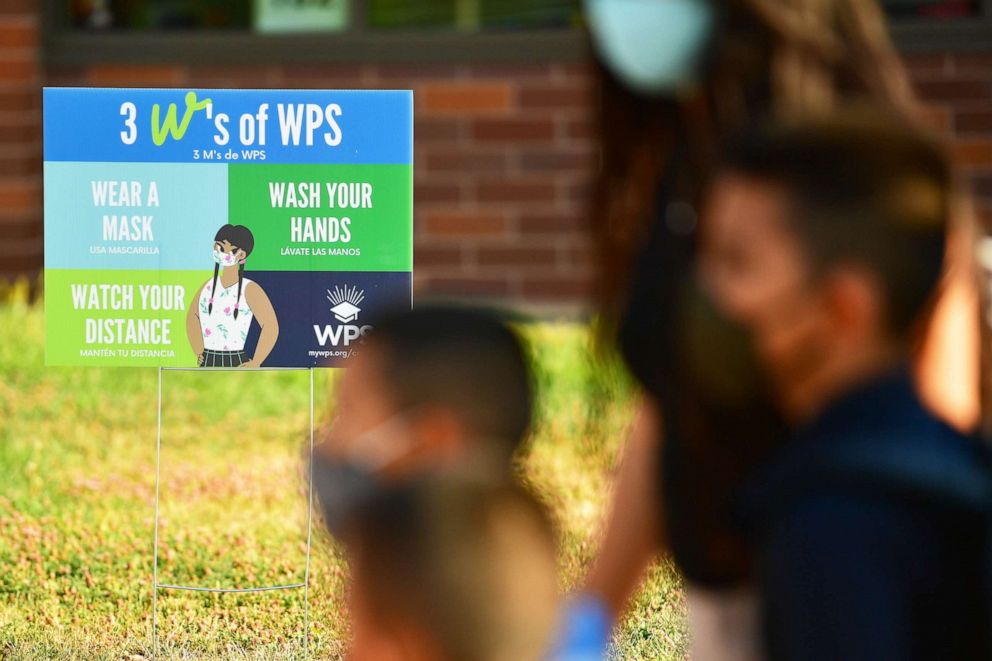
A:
(503, 154)
(502, 161)
(20, 139)
(957, 89)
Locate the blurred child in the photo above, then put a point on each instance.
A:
(451, 569)
(435, 387)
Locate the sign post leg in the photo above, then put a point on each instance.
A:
(158, 463)
(156, 586)
(306, 579)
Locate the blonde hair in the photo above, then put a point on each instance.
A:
(469, 564)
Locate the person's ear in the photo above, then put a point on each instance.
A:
(854, 304)
(239, 255)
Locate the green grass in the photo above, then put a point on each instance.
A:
(77, 481)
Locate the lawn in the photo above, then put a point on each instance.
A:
(77, 460)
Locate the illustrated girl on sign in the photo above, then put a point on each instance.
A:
(220, 315)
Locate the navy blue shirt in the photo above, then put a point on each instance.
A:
(869, 531)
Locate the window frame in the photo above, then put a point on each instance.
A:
(64, 46)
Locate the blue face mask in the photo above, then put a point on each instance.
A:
(651, 46)
(348, 479)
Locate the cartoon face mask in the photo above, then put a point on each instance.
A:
(224, 258)
(651, 46)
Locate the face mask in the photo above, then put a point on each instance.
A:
(223, 258)
(723, 373)
(345, 482)
(651, 46)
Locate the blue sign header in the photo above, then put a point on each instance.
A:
(225, 126)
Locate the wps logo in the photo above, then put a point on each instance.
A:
(344, 307)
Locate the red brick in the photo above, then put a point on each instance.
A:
(937, 118)
(229, 76)
(977, 62)
(955, 89)
(463, 223)
(972, 153)
(26, 229)
(465, 286)
(327, 75)
(579, 128)
(18, 33)
(436, 191)
(19, 166)
(579, 257)
(553, 222)
(21, 118)
(556, 97)
(516, 256)
(582, 70)
(437, 129)
(926, 63)
(19, 196)
(981, 186)
(21, 264)
(18, 69)
(539, 160)
(20, 7)
(431, 254)
(65, 76)
(19, 135)
(439, 159)
(402, 76)
(515, 190)
(513, 130)
(464, 98)
(25, 246)
(977, 121)
(15, 100)
(514, 72)
(577, 190)
(556, 287)
(135, 75)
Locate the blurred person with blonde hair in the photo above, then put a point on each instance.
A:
(451, 568)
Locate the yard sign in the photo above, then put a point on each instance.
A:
(268, 224)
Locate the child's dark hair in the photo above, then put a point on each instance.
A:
(240, 237)
(863, 188)
(459, 357)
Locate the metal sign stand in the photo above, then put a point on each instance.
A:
(156, 586)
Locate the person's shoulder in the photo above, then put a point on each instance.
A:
(839, 513)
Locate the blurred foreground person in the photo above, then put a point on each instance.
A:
(678, 78)
(433, 388)
(451, 569)
(820, 259)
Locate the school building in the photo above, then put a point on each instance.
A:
(504, 151)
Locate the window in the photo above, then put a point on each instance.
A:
(321, 15)
(221, 32)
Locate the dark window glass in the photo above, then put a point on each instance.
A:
(272, 14)
(160, 14)
(474, 14)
